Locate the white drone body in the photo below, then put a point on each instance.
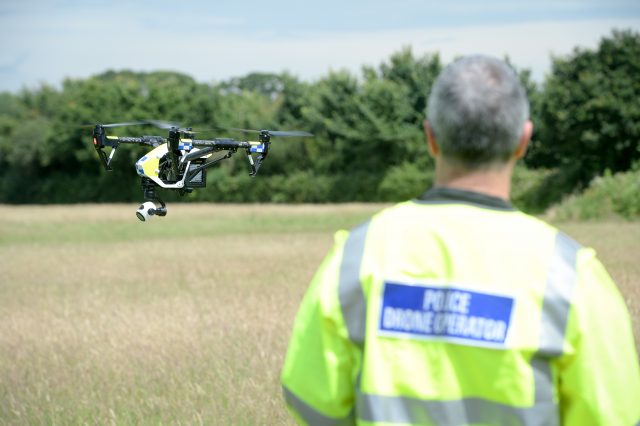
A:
(149, 165)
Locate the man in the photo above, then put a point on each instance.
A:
(456, 308)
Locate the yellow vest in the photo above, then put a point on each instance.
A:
(457, 309)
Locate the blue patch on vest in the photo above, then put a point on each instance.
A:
(446, 313)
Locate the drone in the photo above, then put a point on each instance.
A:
(179, 162)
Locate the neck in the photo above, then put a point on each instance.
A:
(494, 181)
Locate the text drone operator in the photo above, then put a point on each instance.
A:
(456, 308)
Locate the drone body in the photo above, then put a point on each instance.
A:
(179, 162)
(149, 166)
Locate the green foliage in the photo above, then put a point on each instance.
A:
(608, 196)
(404, 182)
(365, 130)
(530, 189)
(368, 144)
(590, 111)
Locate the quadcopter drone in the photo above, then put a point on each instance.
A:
(179, 162)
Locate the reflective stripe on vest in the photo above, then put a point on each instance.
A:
(557, 296)
(312, 416)
(350, 293)
(402, 409)
(558, 293)
(396, 409)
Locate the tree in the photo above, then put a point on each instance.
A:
(590, 112)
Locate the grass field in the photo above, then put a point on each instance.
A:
(183, 320)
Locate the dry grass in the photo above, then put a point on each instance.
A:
(104, 319)
(185, 320)
(148, 336)
(617, 244)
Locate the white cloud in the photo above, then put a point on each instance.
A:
(52, 51)
(528, 45)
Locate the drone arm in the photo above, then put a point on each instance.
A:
(194, 171)
(194, 155)
(101, 140)
(231, 145)
(222, 144)
(144, 140)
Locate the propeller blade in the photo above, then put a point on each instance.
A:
(236, 129)
(284, 133)
(290, 133)
(126, 123)
(123, 124)
(162, 124)
(168, 125)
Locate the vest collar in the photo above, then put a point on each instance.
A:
(444, 195)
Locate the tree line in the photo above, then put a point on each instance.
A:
(368, 143)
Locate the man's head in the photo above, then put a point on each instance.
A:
(477, 114)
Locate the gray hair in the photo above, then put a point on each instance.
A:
(477, 109)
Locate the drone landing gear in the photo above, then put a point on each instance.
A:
(150, 207)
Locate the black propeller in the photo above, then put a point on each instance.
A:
(166, 125)
(123, 124)
(289, 133)
(283, 133)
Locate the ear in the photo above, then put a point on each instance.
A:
(527, 131)
(434, 149)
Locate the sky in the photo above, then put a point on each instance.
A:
(46, 41)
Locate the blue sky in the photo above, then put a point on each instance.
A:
(47, 41)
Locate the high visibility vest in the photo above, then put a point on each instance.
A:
(457, 309)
